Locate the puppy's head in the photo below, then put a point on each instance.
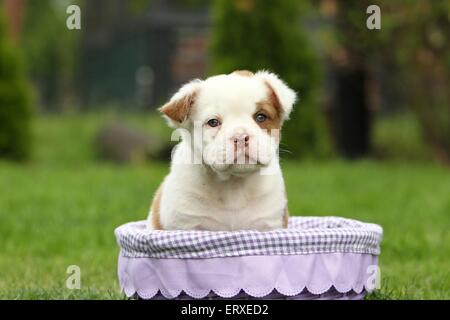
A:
(240, 116)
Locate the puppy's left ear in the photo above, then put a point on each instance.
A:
(177, 109)
(284, 96)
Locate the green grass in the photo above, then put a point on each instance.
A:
(62, 208)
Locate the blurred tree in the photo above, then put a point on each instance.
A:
(257, 34)
(51, 52)
(15, 109)
(14, 8)
(414, 38)
(419, 39)
(350, 113)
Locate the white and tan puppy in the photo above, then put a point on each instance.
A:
(225, 172)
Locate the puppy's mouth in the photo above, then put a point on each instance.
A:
(240, 166)
(244, 157)
(240, 161)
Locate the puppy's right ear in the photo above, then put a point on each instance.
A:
(177, 109)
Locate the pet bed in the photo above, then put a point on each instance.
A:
(314, 258)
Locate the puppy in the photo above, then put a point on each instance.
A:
(225, 172)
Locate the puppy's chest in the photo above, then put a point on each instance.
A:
(232, 210)
(235, 196)
(203, 205)
(232, 199)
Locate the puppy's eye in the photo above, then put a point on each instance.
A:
(213, 123)
(260, 117)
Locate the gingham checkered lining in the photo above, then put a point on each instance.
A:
(305, 235)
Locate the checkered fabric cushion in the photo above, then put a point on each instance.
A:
(305, 235)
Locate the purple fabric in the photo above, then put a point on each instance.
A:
(331, 294)
(308, 276)
(305, 235)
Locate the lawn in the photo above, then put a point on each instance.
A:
(61, 209)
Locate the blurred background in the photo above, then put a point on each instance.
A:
(82, 147)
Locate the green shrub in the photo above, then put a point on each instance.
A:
(51, 55)
(424, 54)
(399, 137)
(257, 34)
(15, 111)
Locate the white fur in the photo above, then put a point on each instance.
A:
(218, 194)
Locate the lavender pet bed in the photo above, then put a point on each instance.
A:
(315, 258)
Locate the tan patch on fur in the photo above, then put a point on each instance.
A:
(156, 204)
(244, 73)
(286, 217)
(273, 98)
(271, 107)
(178, 110)
(273, 120)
